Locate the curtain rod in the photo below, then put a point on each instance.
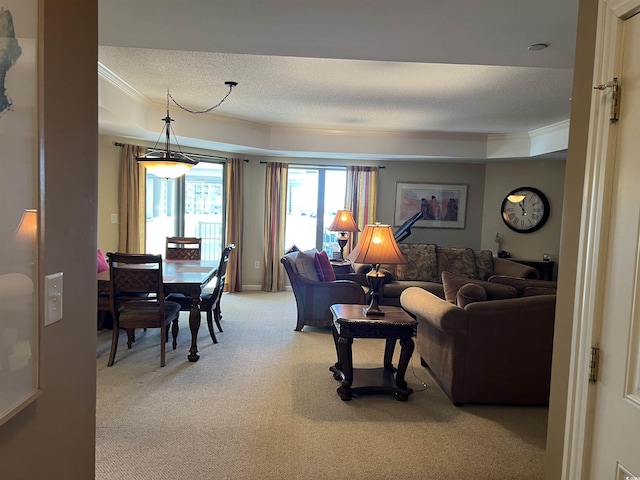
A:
(322, 166)
(202, 155)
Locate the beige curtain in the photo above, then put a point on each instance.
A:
(274, 223)
(362, 194)
(131, 207)
(235, 209)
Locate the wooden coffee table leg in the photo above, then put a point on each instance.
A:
(406, 351)
(389, 348)
(345, 359)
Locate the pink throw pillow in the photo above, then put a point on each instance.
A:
(102, 262)
(324, 268)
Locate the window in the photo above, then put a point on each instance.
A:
(191, 206)
(314, 195)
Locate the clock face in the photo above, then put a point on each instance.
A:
(525, 209)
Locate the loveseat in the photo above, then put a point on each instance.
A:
(487, 343)
(427, 261)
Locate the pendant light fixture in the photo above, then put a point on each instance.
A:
(165, 162)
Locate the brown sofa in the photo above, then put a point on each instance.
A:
(486, 351)
(427, 261)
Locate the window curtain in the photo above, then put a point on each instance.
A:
(274, 224)
(131, 209)
(362, 194)
(234, 215)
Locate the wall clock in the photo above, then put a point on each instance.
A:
(525, 209)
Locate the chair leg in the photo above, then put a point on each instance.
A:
(163, 339)
(217, 315)
(131, 337)
(174, 332)
(114, 344)
(210, 325)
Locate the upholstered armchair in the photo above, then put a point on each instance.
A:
(314, 296)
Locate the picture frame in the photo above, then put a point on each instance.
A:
(443, 205)
(19, 194)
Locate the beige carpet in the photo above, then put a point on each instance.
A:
(262, 404)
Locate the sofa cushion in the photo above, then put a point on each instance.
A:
(484, 263)
(457, 260)
(532, 291)
(470, 293)
(452, 282)
(422, 262)
(306, 265)
(520, 284)
(323, 267)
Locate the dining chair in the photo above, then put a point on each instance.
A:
(133, 275)
(183, 248)
(210, 301)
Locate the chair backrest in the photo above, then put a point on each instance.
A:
(222, 268)
(135, 275)
(183, 248)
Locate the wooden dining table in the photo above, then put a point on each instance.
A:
(188, 277)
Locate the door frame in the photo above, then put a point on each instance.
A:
(593, 240)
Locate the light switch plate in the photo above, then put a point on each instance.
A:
(53, 298)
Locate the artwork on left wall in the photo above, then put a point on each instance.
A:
(19, 197)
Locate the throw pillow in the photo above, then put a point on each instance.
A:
(457, 260)
(102, 262)
(323, 267)
(451, 283)
(422, 262)
(470, 293)
(484, 263)
(306, 265)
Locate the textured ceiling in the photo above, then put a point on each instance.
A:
(417, 65)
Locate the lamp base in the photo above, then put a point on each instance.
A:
(375, 281)
(342, 242)
(373, 311)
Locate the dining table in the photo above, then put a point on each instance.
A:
(187, 277)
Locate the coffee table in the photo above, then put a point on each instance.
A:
(349, 322)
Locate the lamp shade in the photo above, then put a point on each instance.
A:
(166, 168)
(376, 246)
(25, 235)
(343, 222)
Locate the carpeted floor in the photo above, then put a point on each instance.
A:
(262, 404)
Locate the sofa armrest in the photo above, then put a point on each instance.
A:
(442, 314)
(503, 266)
(359, 278)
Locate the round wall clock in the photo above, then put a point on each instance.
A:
(525, 209)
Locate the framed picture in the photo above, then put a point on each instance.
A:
(442, 205)
(19, 323)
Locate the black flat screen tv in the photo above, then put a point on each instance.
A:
(405, 230)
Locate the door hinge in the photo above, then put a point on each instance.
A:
(615, 100)
(593, 364)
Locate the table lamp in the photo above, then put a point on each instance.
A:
(376, 246)
(343, 223)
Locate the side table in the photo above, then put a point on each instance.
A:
(349, 322)
(342, 266)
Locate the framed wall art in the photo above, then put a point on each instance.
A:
(19, 196)
(442, 205)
